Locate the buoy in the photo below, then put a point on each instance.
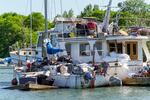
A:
(14, 81)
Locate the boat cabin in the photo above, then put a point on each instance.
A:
(97, 46)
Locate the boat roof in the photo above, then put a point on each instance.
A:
(68, 20)
(127, 37)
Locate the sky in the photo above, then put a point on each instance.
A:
(54, 6)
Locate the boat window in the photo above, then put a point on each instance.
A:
(128, 49)
(119, 47)
(98, 46)
(68, 48)
(84, 49)
(24, 53)
(134, 49)
(144, 56)
(54, 40)
(112, 47)
(39, 41)
(29, 53)
(36, 52)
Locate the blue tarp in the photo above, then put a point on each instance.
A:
(8, 59)
(51, 50)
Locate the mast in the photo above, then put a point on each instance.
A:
(31, 24)
(61, 7)
(46, 24)
(45, 34)
(107, 17)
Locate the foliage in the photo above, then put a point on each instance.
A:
(15, 29)
(37, 21)
(135, 6)
(10, 31)
(68, 14)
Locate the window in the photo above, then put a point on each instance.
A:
(112, 47)
(134, 49)
(85, 49)
(29, 53)
(128, 49)
(40, 41)
(36, 52)
(98, 46)
(24, 53)
(68, 48)
(119, 47)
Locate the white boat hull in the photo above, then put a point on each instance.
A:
(77, 81)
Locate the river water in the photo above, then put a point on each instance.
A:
(103, 93)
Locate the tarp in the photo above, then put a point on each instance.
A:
(91, 25)
(8, 59)
(51, 49)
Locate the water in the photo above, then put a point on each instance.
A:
(103, 93)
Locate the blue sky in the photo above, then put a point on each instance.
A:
(23, 6)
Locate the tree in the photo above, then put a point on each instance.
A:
(10, 31)
(65, 14)
(87, 12)
(96, 8)
(37, 21)
(134, 6)
(68, 14)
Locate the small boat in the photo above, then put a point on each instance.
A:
(5, 64)
(137, 81)
(141, 78)
(31, 81)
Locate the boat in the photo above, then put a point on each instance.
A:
(90, 44)
(6, 63)
(24, 54)
(24, 76)
(137, 81)
(95, 45)
(140, 78)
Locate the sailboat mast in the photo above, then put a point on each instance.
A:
(31, 24)
(45, 34)
(46, 24)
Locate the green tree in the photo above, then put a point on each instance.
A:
(134, 6)
(68, 14)
(10, 31)
(65, 14)
(37, 21)
(87, 12)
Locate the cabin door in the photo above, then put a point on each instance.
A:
(132, 50)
